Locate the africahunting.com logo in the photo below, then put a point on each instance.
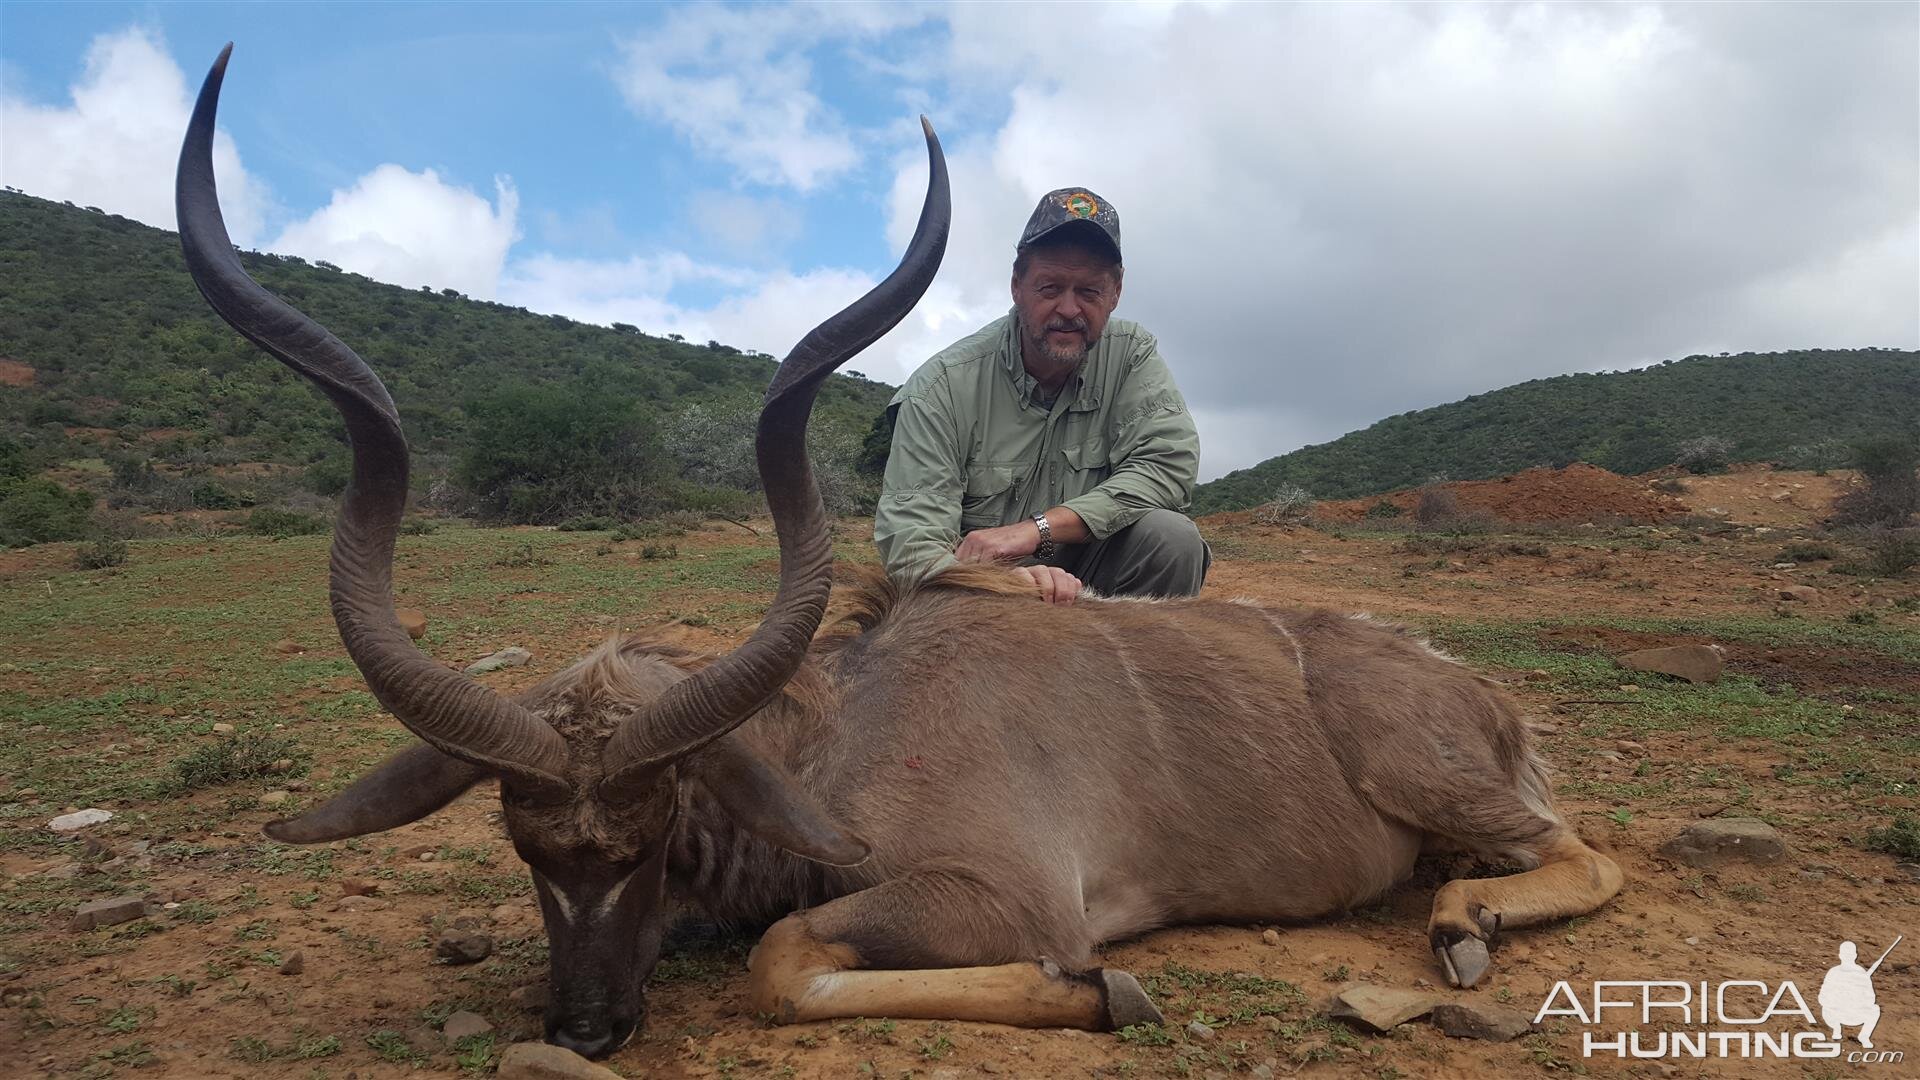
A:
(1740, 1018)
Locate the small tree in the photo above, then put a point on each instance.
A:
(1291, 505)
(1890, 496)
(542, 454)
(1706, 454)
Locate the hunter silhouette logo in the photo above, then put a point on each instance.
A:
(1737, 1018)
(1846, 994)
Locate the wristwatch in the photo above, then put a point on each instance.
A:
(1045, 550)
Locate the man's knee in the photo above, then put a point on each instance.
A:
(1170, 535)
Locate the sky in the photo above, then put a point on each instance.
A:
(1332, 213)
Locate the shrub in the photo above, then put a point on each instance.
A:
(1291, 505)
(587, 524)
(100, 554)
(1892, 552)
(1891, 493)
(1384, 509)
(243, 756)
(1706, 454)
(542, 454)
(645, 530)
(280, 524)
(37, 511)
(1807, 551)
(329, 475)
(1901, 838)
(419, 526)
(213, 495)
(1670, 485)
(660, 551)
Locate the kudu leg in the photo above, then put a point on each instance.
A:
(863, 955)
(1572, 879)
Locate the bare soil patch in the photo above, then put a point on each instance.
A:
(15, 372)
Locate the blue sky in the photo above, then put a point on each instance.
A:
(1333, 213)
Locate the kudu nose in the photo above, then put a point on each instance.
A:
(587, 1036)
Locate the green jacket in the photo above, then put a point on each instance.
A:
(972, 449)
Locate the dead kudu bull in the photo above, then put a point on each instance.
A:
(945, 805)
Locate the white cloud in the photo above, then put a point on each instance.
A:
(116, 143)
(737, 82)
(1334, 213)
(743, 227)
(410, 229)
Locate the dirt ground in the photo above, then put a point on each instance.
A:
(112, 679)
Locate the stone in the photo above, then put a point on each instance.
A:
(361, 903)
(1378, 1007)
(223, 729)
(112, 912)
(1495, 1023)
(542, 1061)
(530, 998)
(293, 963)
(288, 647)
(413, 621)
(1694, 663)
(274, 798)
(464, 1025)
(1199, 1032)
(1270, 937)
(1716, 840)
(80, 819)
(1805, 594)
(504, 913)
(511, 656)
(463, 947)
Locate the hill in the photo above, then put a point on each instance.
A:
(1799, 408)
(107, 349)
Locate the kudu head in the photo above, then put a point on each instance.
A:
(589, 781)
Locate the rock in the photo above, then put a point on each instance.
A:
(1708, 843)
(464, 1025)
(80, 819)
(1199, 1032)
(1269, 937)
(293, 963)
(288, 647)
(1628, 746)
(530, 998)
(542, 1061)
(504, 913)
(1804, 593)
(1269, 1023)
(358, 887)
(108, 912)
(413, 621)
(1495, 1023)
(223, 729)
(463, 947)
(511, 656)
(1378, 1007)
(359, 902)
(1694, 663)
(274, 798)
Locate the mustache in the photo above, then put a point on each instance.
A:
(1075, 326)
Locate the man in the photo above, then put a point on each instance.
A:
(1052, 438)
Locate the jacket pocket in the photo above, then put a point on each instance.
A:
(1088, 463)
(988, 500)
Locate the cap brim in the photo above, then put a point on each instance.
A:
(1091, 228)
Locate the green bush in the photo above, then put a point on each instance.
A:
(272, 521)
(329, 475)
(37, 511)
(239, 757)
(100, 554)
(1807, 551)
(543, 454)
(213, 495)
(1890, 496)
(1705, 454)
(1384, 509)
(1901, 838)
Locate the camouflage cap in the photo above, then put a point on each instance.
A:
(1076, 207)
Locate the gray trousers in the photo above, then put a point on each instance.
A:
(1159, 555)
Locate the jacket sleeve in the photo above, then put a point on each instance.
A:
(1155, 450)
(917, 525)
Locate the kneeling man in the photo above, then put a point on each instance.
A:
(1053, 438)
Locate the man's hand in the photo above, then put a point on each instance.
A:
(1056, 585)
(1004, 544)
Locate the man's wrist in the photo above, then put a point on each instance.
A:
(1043, 547)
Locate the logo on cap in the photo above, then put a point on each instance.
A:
(1080, 205)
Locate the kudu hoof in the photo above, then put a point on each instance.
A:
(1127, 1004)
(1464, 958)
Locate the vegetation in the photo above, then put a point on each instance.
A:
(1890, 497)
(130, 367)
(1798, 408)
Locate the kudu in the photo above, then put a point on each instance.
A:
(946, 804)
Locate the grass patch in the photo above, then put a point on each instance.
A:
(244, 756)
(1901, 838)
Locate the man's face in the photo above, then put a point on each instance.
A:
(1064, 299)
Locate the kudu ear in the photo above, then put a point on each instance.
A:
(762, 799)
(402, 789)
